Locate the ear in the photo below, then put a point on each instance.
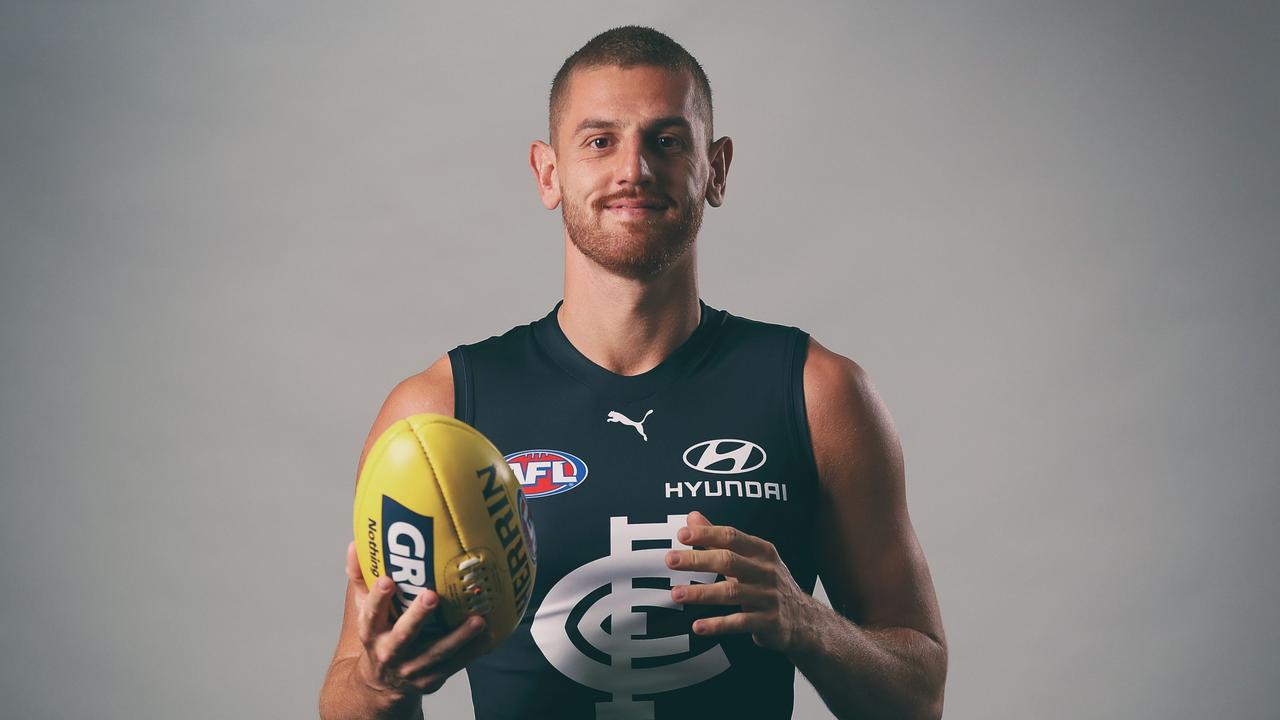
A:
(542, 159)
(721, 152)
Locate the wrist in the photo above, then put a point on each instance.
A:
(384, 700)
(809, 638)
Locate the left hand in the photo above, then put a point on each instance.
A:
(774, 609)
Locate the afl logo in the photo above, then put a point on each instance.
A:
(725, 457)
(547, 472)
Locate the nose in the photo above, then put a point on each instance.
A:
(634, 163)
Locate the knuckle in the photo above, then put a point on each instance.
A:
(410, 618)
(447, 648)
(732, 535)
(431, 657)
(732, 591)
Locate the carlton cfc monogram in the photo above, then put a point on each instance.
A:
(621, 610)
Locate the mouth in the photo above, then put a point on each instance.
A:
(636, 208)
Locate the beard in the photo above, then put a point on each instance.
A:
(637, 248)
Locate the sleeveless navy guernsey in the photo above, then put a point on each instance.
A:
(611, 465)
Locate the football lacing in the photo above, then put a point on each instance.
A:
(475, 586)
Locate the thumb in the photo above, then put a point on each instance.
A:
(353, 570)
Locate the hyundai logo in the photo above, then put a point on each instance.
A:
(725, 456)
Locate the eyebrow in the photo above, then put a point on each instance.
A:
(598, 124)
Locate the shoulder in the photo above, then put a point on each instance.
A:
(429, 391)
(849, 424)
(831, 380)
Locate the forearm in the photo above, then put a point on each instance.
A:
(871, 672)
(346, 697)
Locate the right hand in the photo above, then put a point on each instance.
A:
(396, 658)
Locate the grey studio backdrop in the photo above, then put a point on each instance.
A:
(1047, 231)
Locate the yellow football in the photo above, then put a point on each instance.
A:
(437, 507)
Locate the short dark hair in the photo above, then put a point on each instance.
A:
(628, 46)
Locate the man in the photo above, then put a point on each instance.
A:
(690, 473)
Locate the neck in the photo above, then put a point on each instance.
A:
(624, 325)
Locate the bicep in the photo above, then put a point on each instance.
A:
(871, 565)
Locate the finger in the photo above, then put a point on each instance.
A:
(430, 678)
(697, 518)
(375, 609)
(743, 622)
(405, 630)
(725, 592)
(353, 571)
(444, 648)
(720, 561)
(723, 536)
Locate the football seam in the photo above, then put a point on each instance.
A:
(444, 498)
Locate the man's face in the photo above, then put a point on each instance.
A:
(632, 163)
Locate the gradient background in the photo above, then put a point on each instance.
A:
(1051, 234)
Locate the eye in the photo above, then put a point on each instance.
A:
(670, 141)
(593, 142)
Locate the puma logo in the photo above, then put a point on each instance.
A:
(615, 416)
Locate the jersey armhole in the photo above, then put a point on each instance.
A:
(463, 404)
(796, 410)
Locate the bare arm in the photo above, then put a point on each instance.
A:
(893, 662)
(379, 669)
